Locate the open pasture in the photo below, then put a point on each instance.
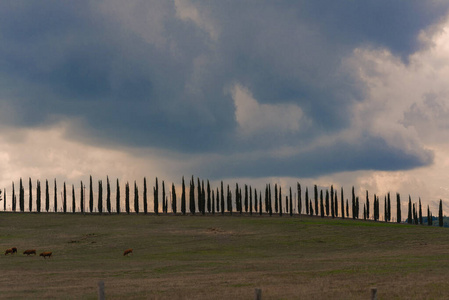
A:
(220, 257)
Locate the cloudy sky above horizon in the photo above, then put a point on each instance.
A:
(327, 92)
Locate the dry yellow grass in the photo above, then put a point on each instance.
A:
(220, 257)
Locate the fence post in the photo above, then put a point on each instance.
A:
(258, 293)
(101, 290)
(373, 293)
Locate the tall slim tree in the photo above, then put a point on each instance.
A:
(30, 194)
(367, 204)
(315, 192)
(13, 198)
(389, 207)
(251, 200)
(47, 196)
(420, 212)
(409, 216)
(100, 196)
(222, 199)
(91, 196)
(398, 208)
(199, 194)
(321, 204)
(38, 196)
(260, 202)
(246, 198)
(55, 200)
(4, 201)
(429, 217)
(108, 195)
(213, 202)
(203, 198)
(298, 188)
(183, 197)
(209, 203)
(280, 201)
(127, 197)
(327, 203)
(192, 196)
(440, 214)
(291, 203)
(136, 198)
(306, 200)
(73, 199)
(342, 199)
(229, 202)
(117, 197)
(156, 197)
(218, 200)
(353, 203)
(145, 203)
(276, 204)
(64, 205)
(163, 196)
(336, 204)
(81, 197)
(173, 198)
(21, 197)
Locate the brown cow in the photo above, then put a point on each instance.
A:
(45, 254)
(128, 251)
(29, 252)
(11, 251)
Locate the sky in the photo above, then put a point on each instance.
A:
(344, 93)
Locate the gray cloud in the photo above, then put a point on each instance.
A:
(138, 74)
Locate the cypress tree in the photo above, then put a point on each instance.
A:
(64, 204)
(81, 198)
(192, 196)
(47, 196)
(213, 202)
(321, 204)
(299, 198)
(73, 199)
(246, 198)
(440, 214)
(38, 196)
(260, 203)
(415, 215)
(183, 197)
(336, 205)
(250, 200)
(145, 197)
(367, 204)
(420, 212)
(218, 200)
(270, 204)
(30, 189)
(13, 198)
(286, 204)
(164, 197)
(255, 200)
(385, 209)
(91, 196)
(364, 211)
(200, 207)
(389, 207)
(276, 204)
(398, 204)
(229, 197)
(108, 195)
(311, 208)
(117, 197)
(127, 197)
(156, 197)
(21, 197)
(353, 203)
(222, 199)
(55, 202)
(100, 196)
(280, 201)
(291, 203)
(4, 201)
(342, 199)
(209, 203)
(327, 202)
(173, 197)
(315, 191)
(203, 198)
(136, 198)
(332, 204)
(409, 217)
(306, 200)
(429, 217)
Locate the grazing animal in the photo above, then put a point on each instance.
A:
(29, 252)
(45, 254)
(128, 251)
(11, 251)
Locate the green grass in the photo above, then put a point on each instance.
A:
(221, 257)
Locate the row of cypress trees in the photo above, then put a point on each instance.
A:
(213, 201)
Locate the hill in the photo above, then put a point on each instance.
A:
(220, 257)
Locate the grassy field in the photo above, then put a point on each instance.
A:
(220, 257)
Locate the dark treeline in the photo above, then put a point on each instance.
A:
(204, 199)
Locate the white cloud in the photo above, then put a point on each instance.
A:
(253, 117)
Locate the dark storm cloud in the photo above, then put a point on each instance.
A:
(142, 76)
